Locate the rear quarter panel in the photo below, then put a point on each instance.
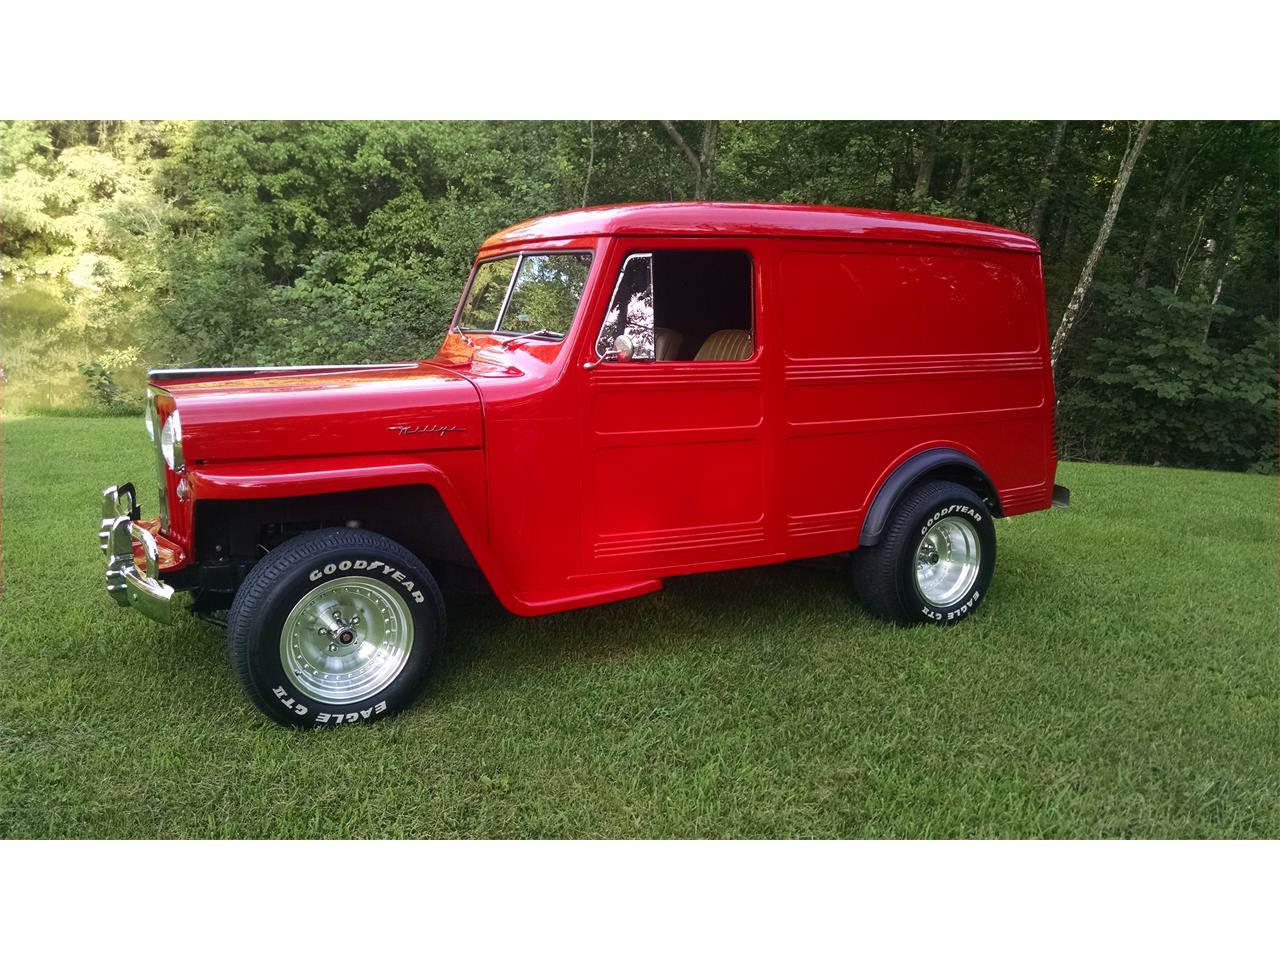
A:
(890, 349)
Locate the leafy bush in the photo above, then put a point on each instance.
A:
(100, 379)
(1172, 380)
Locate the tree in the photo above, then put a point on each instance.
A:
(1035, 220)
(591, 160)
(965, 177)
(927, 158)
(703, 162)
(1072, 313)
(274, 242)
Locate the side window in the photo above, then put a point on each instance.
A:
(691, 305)
(630, 312)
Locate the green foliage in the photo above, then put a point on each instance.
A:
(100, 378)
(303, 242)
(1171, 380)
(102, 387)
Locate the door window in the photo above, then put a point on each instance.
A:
(668, 305)
(630, 314)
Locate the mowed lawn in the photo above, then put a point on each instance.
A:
(1123, 680)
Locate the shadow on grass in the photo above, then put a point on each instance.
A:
(700, 612)
(779, 608)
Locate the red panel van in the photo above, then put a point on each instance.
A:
(625, 394)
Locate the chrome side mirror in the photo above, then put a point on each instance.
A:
(623, 350)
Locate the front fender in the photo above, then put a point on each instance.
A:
(457, 476)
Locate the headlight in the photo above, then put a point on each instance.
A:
(171, 442)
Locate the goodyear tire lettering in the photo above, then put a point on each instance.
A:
(370, 566)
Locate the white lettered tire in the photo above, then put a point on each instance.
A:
(334, 627)
(935, 561)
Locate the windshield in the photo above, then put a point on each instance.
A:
(531, 294)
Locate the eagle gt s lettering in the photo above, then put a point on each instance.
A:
(625, 394)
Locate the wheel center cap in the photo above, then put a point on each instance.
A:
(346, 637)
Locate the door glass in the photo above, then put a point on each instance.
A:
(631, 309)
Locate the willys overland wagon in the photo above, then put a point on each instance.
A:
(625, 394)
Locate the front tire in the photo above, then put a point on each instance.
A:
(335, 626)
(935, 561)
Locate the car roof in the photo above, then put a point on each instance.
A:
(758, 220)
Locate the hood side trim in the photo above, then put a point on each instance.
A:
(204, 373)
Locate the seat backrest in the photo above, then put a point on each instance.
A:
(667, 343)
(726, 345)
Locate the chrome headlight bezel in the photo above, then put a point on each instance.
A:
(171, 442)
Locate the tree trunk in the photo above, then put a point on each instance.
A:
(1185, 263)
(1035, 220)
(1218, 270)
(707, 158)
(703, 163)
(965, 176)
(1127, 163)
(1177, 169)
(901, 167)
(591, 159)
(928, 154)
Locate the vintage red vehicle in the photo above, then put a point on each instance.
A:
(625, 394)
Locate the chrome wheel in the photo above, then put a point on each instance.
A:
(947, 561)
(346, 640)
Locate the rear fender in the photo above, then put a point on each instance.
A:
(941, 463)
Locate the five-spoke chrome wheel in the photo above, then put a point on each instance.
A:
(947, 561)
(347, 639)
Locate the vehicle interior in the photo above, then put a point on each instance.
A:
(702, 305)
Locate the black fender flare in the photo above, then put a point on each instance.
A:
(951, 464)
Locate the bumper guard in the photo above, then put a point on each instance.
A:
(126, 583)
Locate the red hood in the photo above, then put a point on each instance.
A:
(286, 413)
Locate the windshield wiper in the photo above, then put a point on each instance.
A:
(544, 332)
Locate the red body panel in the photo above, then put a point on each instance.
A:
(713, 220)
(877, 336)
(355, 412)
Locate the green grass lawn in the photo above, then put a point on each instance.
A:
(1122, 680)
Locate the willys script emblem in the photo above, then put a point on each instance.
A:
(406, 430)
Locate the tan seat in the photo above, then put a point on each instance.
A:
(726, 345)
(667, 343)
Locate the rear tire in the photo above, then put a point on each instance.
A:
(335, 626)
(935, 560)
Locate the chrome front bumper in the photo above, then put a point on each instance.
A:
(126, 584)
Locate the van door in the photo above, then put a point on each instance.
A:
(673, 414)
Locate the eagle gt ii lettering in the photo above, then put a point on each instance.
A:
(625, 394)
